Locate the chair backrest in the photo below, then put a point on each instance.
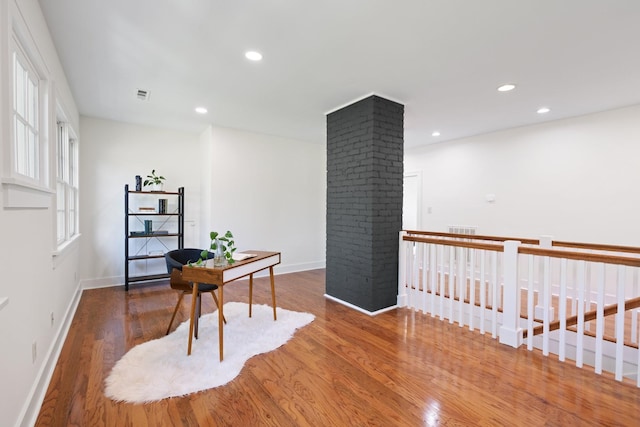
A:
(179, 257)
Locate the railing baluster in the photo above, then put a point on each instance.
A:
(494, 294)
(483, 290)
(442, 280)
(425, 276)
(546, 301)
(472, 286)
(530, 303)
(599, 317)
(433, 269)
(451, 281)
(634, 313)
(580, 338)
(461, 281)
(562, 305)
(620, 324)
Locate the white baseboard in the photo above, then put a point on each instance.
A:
(31, 409)
(360, 309)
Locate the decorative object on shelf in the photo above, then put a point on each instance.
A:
(155, 181)
(148, 226)
(162, 206)
(138, 183)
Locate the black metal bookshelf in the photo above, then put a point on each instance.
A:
(168, 239)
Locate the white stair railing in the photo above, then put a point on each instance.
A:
(479, 283)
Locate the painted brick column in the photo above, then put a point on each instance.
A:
(365, 149)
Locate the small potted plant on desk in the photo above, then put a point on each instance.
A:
(155, 181)
(223, 247)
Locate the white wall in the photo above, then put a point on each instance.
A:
(268, 191)
(112, 154)
(271, 193)
(575, 179)
(37, 283)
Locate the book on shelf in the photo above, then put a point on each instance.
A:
(150, 233)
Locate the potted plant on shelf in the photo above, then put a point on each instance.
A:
(155, 181)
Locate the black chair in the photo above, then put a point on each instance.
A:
(176, 259)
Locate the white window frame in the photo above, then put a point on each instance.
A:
(25, 119)
(26, 187)
(67, 184)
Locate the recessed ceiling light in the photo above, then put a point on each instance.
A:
(543, 110)
(507, 87)
(253, 55)
(201, 110)
(436, 133)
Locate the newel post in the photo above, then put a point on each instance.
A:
(402, 270)
(510, 331)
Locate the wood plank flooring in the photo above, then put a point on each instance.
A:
(399, 368)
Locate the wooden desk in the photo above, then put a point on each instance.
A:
(223, 275)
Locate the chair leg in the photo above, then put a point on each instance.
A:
(215, 299)
(198, 312)
(175, 311)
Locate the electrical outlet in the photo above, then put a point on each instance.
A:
(52, 318)
(34, 352)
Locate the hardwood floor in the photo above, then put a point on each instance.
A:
(399, 368)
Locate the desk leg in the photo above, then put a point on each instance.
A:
(250, 292)
(273, 292)
(193, 315)
(220, 318)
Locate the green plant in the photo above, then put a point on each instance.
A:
(223, 242)
(154, 179)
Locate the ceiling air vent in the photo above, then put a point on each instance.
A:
(143, 95)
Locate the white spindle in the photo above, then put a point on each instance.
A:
(530, 303)
(599, 317)
(462, 284)
(620, 323)
(562, 305)
(483, 290)
(580, 338)
(442, 281)
(451, 281)
(433, 270)
(493, 287)
(634, 313)
(472, 286)
(425, 275)
(546, 301)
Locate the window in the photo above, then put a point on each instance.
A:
(26, 172)
(66, 184)
(26, 123)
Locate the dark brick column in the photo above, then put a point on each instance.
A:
(365, 147)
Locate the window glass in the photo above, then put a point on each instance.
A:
(25, 112)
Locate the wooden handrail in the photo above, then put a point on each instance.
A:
(581, 256)
(588, 316)
(458, 243)
(474, 237)
(577, 245)
(598, 247)
(554, 253)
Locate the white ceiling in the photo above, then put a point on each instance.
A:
(443, 59)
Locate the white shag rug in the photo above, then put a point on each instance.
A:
(161, 368)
